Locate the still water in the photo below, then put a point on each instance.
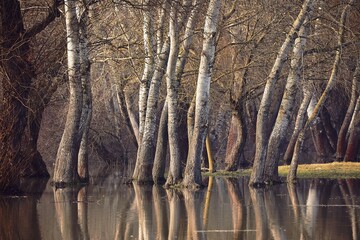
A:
(227, 209)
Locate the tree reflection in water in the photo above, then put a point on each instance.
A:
(227, 209)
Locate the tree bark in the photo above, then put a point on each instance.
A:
(278, 133)
(174, 174)
(257, 175)
(192, 175)
(300, 119)
(149, 63)
(294, 163)
(158, 170)
(352, 148)
(86, 111)
(147, 150)
(66, 164)
(342, 141)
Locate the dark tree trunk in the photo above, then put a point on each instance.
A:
(329, 129)
(15, 63)
(321, 142)
(236, 141)
(158, 170)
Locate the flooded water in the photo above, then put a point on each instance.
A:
(227, 209)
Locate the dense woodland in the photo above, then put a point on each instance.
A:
(165, 89)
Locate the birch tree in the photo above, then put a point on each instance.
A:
(66, 164)
(257, 175)
(342, 140)
(295, 159)
(174, 173)
(287, 104)
(192, 175)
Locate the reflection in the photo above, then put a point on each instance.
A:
(66, 206)
(237, 203)
(193, 202)
(174, 202)
(227, 209)
(273, 216)
(18, 214)
(257, 198)
(143, 196)
(159, 196)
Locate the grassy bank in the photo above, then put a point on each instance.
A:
(326, 170)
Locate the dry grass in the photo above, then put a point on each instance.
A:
(326, 170)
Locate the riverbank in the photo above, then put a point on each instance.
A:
(324, 170)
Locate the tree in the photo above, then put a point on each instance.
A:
(16, 63)
(257, 175)
(277, 136)
(71, 159)
(335, 68)
(192, 175)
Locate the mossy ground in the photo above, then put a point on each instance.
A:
(325, 170)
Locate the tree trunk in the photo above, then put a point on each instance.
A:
(131, 113)
(66, 164)
(300, 118)
(294, 163)
(278, 133)
(149, 63)
(86, 111)
(174, 174)
(236, 141)
(352, 148)
(330, 131)
(16, 81)
(192, 173)
(146, 154)
(342, 141)
(158, 170)
(257, 175)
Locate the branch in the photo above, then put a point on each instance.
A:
(52, 14)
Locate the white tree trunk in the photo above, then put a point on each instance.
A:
(278, 133)
(86, 113)
(147, 74)
(67, 156)
(174, 174)
(294, 162)
(257, 175)
(192, 176)
(146, 153)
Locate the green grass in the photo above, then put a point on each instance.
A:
(325, 170)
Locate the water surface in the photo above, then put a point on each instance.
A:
(227, 209)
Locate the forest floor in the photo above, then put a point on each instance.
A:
(324, 170)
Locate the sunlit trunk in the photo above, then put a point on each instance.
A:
(192, 175)
(341, 144)
(158, 170)
(145, 158)
(294, 162)
(174, 174)
(86, 112)
(278, 133)
(262, 126)
(300, 119)
(66, 165)
(149, 66)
